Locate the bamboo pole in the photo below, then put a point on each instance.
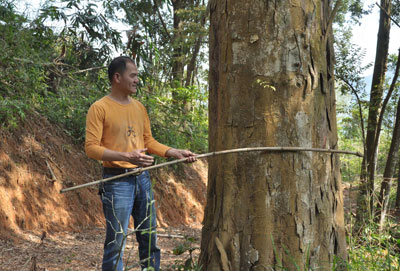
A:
(200, 156)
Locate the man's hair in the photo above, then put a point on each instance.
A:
(118, 65)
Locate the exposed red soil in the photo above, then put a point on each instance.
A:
(36, 161)
(181, 197)
(29, 194)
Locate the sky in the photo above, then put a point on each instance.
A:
(365, 35)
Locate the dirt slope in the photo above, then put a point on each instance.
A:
(38, 159)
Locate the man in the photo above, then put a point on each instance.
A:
(118, 133)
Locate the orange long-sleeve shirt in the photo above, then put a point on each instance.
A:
(119, 127)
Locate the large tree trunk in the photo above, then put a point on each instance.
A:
(372, 139)
(271, 84)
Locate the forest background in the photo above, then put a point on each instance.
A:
(53, 62)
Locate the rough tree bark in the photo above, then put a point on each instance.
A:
(271, 84)
(372, 139)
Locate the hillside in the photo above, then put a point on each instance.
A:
(38, 159)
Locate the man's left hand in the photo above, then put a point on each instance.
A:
(179, 154)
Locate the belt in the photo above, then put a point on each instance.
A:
(117, 170)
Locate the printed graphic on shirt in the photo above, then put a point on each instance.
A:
(130, 132)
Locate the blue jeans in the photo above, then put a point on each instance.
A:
(131, 195)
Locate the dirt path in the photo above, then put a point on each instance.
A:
(80, 251)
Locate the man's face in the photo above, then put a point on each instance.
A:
(128, 80)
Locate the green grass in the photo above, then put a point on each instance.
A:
(372, 249)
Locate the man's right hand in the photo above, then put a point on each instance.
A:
(139, 158)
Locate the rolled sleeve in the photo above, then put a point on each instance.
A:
(94, 131)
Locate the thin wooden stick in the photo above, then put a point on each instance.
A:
(267, 149)
(53, 176)
(88, 70)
